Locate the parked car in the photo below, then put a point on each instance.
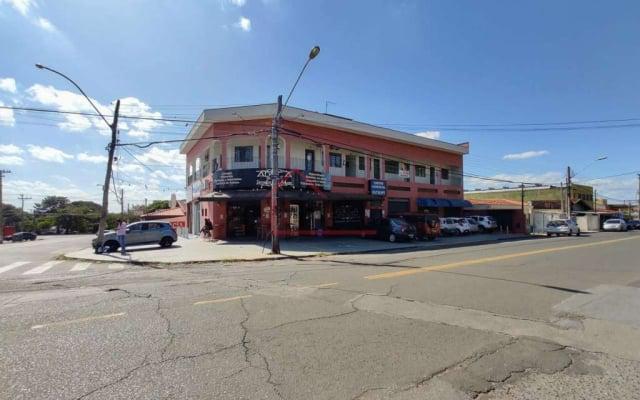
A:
(633, 224)
(474, 227)
(427, 225)
(562, 227)
(453, 227)
(20, 236)
(485, 223)
(394, 229)
(140, 233)
(614, 224)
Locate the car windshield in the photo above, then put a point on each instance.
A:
(613, 221)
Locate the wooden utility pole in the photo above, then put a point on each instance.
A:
(275, 237)
(107, 178)
(568, 192)
(122, 202)
(2, 172)
(22, 199)
(638, 196)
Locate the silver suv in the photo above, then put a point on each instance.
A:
(143, 232)
(485, 223)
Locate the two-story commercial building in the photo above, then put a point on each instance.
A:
(337, 176)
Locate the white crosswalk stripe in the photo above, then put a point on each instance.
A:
(80, 266)
(40, 269)
(13, 265)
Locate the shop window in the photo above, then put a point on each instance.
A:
(361, 163)
(391, 167)
(335, 160)
(421, 171)
(432, 175)
(444, 174)
(243, 154)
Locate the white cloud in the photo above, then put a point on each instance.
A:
(129, 168)
(45, 24)
(238, 3)
(526, 154)
(156, 155)
(21, 6)
(178, 178)
(243, 23)
(11, 160)
(50, 154)
(429, 134)
(64, 100)
(618, 188)
(6, 116)
(8, 85)
(96, 159)
(10, 149)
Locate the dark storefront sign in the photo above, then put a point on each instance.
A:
(377, 187)
(348, 214)
(261, 179)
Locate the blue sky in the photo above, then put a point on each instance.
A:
(418, 66)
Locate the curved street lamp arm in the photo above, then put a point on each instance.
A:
(294, 86)
(40, 66)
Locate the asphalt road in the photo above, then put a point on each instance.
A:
(534, 319)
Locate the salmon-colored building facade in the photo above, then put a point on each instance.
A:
(337, 176)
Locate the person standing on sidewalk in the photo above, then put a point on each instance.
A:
(121, 232)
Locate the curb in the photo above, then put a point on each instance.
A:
(435, 246)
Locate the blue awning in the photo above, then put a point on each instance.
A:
(427, 202)
(460, 203)
(433, 202)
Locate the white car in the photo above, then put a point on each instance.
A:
(562, 227)
(485, 223)
(474, 227)
(615, 225)
(451, 226)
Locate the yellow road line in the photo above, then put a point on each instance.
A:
(324, 285)
(73, 321)
(222, 300)
(464, 263)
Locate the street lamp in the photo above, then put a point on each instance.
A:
(275, 125)
(570, 175)
(112, 146)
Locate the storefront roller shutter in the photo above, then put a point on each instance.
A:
(398, 206)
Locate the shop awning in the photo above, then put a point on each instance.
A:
(433, 202)
(240, 195)
(460, 203)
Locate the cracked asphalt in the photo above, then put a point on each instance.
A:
(534, 319)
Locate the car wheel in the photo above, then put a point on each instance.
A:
(578, 233)
(481, 229)
(392, 238)
(166, 242)
(570, 233)
(548, 234)
(112, 246)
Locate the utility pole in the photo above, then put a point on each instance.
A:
(111, 147)
(22, 199)
(2, 172)
(638, 196)
(595, 200)
(568, 192)
(122, 202)
(107, 178)
(275, 237)
(524, 219)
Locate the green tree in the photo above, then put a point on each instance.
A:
(157, 205)
(50, 204)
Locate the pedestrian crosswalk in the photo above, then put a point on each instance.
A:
(30, 268)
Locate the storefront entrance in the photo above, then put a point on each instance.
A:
(243, 219)
(348, 214)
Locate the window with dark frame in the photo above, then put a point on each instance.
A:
(243, 154)
(391, 167)
(361, 163)
(444, 173)
(432, 175)
(335, 160)
(421, 171)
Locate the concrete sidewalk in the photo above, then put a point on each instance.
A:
(198, 250)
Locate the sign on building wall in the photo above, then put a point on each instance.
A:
(377, 187)
(261, 179)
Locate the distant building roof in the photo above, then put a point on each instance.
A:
(165, 213)
(494, 204)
